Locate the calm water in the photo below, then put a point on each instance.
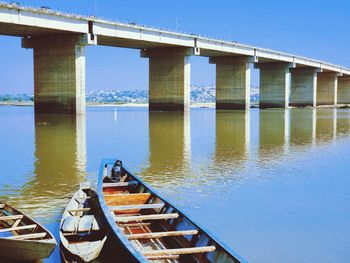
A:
(272, 184)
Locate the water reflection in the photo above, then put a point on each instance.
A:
(169, 146)
(232, 138)
(302, 126)
(60, 163)
(326, 125)
(273, 134)
(343, 123)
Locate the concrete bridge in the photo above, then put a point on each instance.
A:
(58, 41)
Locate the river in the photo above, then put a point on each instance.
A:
(274, 185)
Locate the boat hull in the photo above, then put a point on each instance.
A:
(26, 250)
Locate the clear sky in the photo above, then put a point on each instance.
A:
(315, 28)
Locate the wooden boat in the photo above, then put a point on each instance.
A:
(83, 232)
(148, 227)
(22, 238)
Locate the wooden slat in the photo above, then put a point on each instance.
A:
(131, 199)
(162, 234)
(115, 184)
(28, 236)
(83, 209)
(13, 217)
(179, 251)
(134, 225)
(18, 228)
(145, 217)
(163, 257)
(131, 207)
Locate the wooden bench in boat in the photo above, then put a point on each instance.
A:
(162, 234)
(127, 199)
(73, 224)
(179, 251)
(135, 207)
(82, 209)
(18, 228)
(146, 217)
(12, 217)
(115, 184)
(28, 236)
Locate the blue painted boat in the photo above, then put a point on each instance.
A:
(149, 228)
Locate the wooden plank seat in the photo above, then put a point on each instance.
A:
(81, 209)
(11, 217)
(87, 223)
(179, 251)
(28, 236)
(18, 228)
(73, 224)
(70, 224)
(127, 199)
(115, 184)
(135, 207)
(162, 234)
(146, 217)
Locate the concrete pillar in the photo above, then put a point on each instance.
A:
(232, 82)
(59, 73)
(327, 83)
(344, 90)
(303, 87)
(169, 78)
(274, 84)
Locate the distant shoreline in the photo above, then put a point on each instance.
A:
(102, 104)
(210, 105)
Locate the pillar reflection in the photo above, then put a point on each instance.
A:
(302, 126)
(170, 147)
(326, 125)
(343, 122)
(232, 138)
(273, 134)
(60, 162)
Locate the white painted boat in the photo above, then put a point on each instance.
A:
(22, 238)
(83, 232)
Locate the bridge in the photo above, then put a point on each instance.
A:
(58, 41)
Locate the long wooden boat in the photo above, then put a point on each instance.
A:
(150, 228)
(22, 238)
(83, 230)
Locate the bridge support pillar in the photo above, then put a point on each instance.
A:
(59, 73)
(344, 90)
(303, 87)
(274, 84)
(232, 82)
(169, 78)
(327, 85)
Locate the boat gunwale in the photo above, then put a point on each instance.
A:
(139, 256)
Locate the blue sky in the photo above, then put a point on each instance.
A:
(317, 29)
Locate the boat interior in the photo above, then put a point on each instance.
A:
(154, 227)
(16, 226)
(82, 220)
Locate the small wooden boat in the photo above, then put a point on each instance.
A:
(83, 230)
(21, 238)
(148, 227)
